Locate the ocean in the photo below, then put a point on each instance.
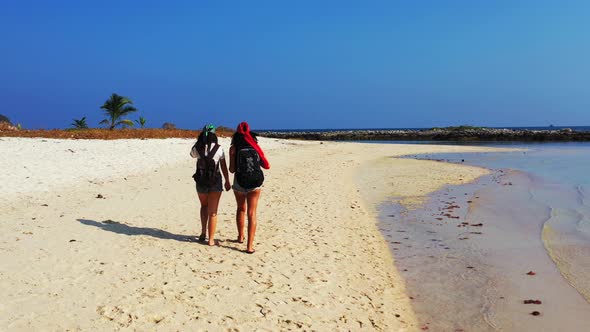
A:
(531, 213)
(559, 176)
(577, 128)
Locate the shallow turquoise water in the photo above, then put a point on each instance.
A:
(562, 162)
(560, 174)
(561, 171)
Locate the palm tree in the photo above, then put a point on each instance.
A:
(116, 107)
(141, 121)
(80, 124)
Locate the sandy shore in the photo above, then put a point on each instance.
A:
(72, 261)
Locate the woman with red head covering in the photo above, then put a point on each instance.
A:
(245, 160)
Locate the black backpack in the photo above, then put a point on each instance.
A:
(207, 174)
(248, 172)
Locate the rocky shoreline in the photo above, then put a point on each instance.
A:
(444, 134)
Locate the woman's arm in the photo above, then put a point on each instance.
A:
(194, 152)
(232, 159)
(225, 174)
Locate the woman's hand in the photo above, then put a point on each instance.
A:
(225, 174)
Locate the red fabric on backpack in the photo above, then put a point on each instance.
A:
(244, 129)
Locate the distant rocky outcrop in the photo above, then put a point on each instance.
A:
(463, 133)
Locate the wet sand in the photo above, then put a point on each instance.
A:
(466, 257)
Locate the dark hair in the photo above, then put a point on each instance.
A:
(239, 141)
(204, 141)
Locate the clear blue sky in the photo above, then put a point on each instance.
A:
(298, 64)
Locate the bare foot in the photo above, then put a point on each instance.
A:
(212, 242)
(250, 251)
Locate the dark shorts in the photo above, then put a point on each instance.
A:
(236, 187)
(217, 187)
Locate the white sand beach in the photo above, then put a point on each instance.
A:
(129, 260)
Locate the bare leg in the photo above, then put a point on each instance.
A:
(204, 199)
(252, 200)
(212, 211)
(240, 214)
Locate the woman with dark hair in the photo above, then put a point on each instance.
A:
(210, 157)
(246, 158)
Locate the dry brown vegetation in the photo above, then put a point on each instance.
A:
(111, 134)
(6, 126)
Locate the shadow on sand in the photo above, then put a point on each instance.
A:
(120, 228)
